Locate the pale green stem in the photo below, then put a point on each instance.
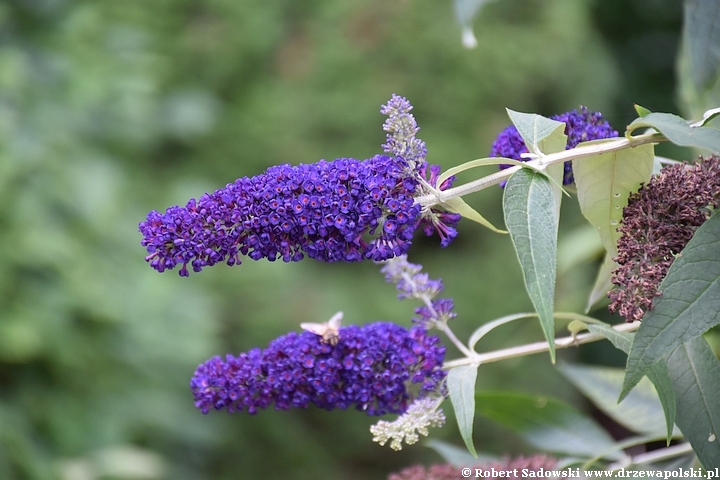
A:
(427, 300)
(531, 348)
(461, 346)
(438, 197)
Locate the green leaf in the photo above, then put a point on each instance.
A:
(639, 440)
(657, 165)
(458, 456)
(688, 307)
(641, 111)
(480, 162)
(621, 340)
(577, 247)
(489, 326)
(678, 131)
(695, 373)
(604, 183)
(555, 173)
(458, 205)
(700, 31)
(707, 117)
(535, 129)
(603, 282)
(641, 412)
(658, 374)
(461, 387)
(465, 11)
(531, 218)
(578, 318)
(543, 135)
(660, 377)
(547, 424)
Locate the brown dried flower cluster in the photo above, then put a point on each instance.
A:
(450, 472)
(659, 220)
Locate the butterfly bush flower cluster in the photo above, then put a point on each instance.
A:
(340, 210)
(375, 368)
(413, 283)
(539, 464)
(580, 126)
(658, 222)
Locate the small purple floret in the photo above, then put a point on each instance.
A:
(371, 368)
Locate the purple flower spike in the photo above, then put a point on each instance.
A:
(344, 210)
(371, 368)
(580, 127)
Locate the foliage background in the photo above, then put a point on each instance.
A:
(110, 109)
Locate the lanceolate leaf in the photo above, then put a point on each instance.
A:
(461, 386)
(457, 456)
(678, 131)
(535, 128)
(657, 165)
(642, 111)
(688, 307)
(621, 340)
(480, 162)
(660, 377)
(602, 282)
(547, 424)
(543, 136)
(465, 11)
(695, 373)
(641, 412)
(531, 219)
(458, 205)
(555, 173)
(658, 373)
(708, 116)
(604, 183)
(701, 31)
(486, 328)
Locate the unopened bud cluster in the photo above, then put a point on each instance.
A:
(413, 283)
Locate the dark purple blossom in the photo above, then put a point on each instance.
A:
(372, 368)
(342, 210)
(658, 222)
(580, 126)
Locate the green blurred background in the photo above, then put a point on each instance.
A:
(110, 109)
